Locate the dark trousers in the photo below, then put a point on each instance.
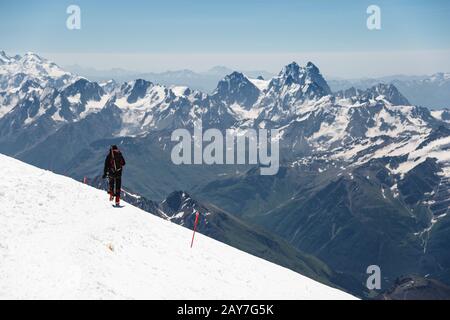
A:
(115, 185)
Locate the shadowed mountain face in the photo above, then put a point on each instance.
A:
(417, 288)
(350, 220)
(363, 179)
(236, 88)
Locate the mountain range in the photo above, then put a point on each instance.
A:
(431, 91)
(205, 81)
(364, 174)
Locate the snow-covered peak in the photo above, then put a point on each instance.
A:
(86, 89)
(109, 86)
(291, 70)
(32, 64)
(135, 90)
(311, 67)
(385, 92)
(236, 88)
(296, 72)
(300, 83)
(388, 92)
(288, 93)
(31, 57)
(310, 74)
(54, 247)
(231, 81)
(4, 58)
(33, 67)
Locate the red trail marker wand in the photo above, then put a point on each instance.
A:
(195, 227)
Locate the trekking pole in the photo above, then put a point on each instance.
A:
(195, 228)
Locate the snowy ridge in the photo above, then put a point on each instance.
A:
(443, 115)
(30, 66)
(32, 87)
(62, 239)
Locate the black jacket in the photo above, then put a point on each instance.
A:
(114, 163)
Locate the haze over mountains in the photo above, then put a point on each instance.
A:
(204, 81)
(364, 176)
(432, 91)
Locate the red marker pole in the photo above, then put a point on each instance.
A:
(195, 228)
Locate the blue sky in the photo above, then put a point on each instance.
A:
(204, 32)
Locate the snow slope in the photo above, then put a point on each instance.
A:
(62, 239)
